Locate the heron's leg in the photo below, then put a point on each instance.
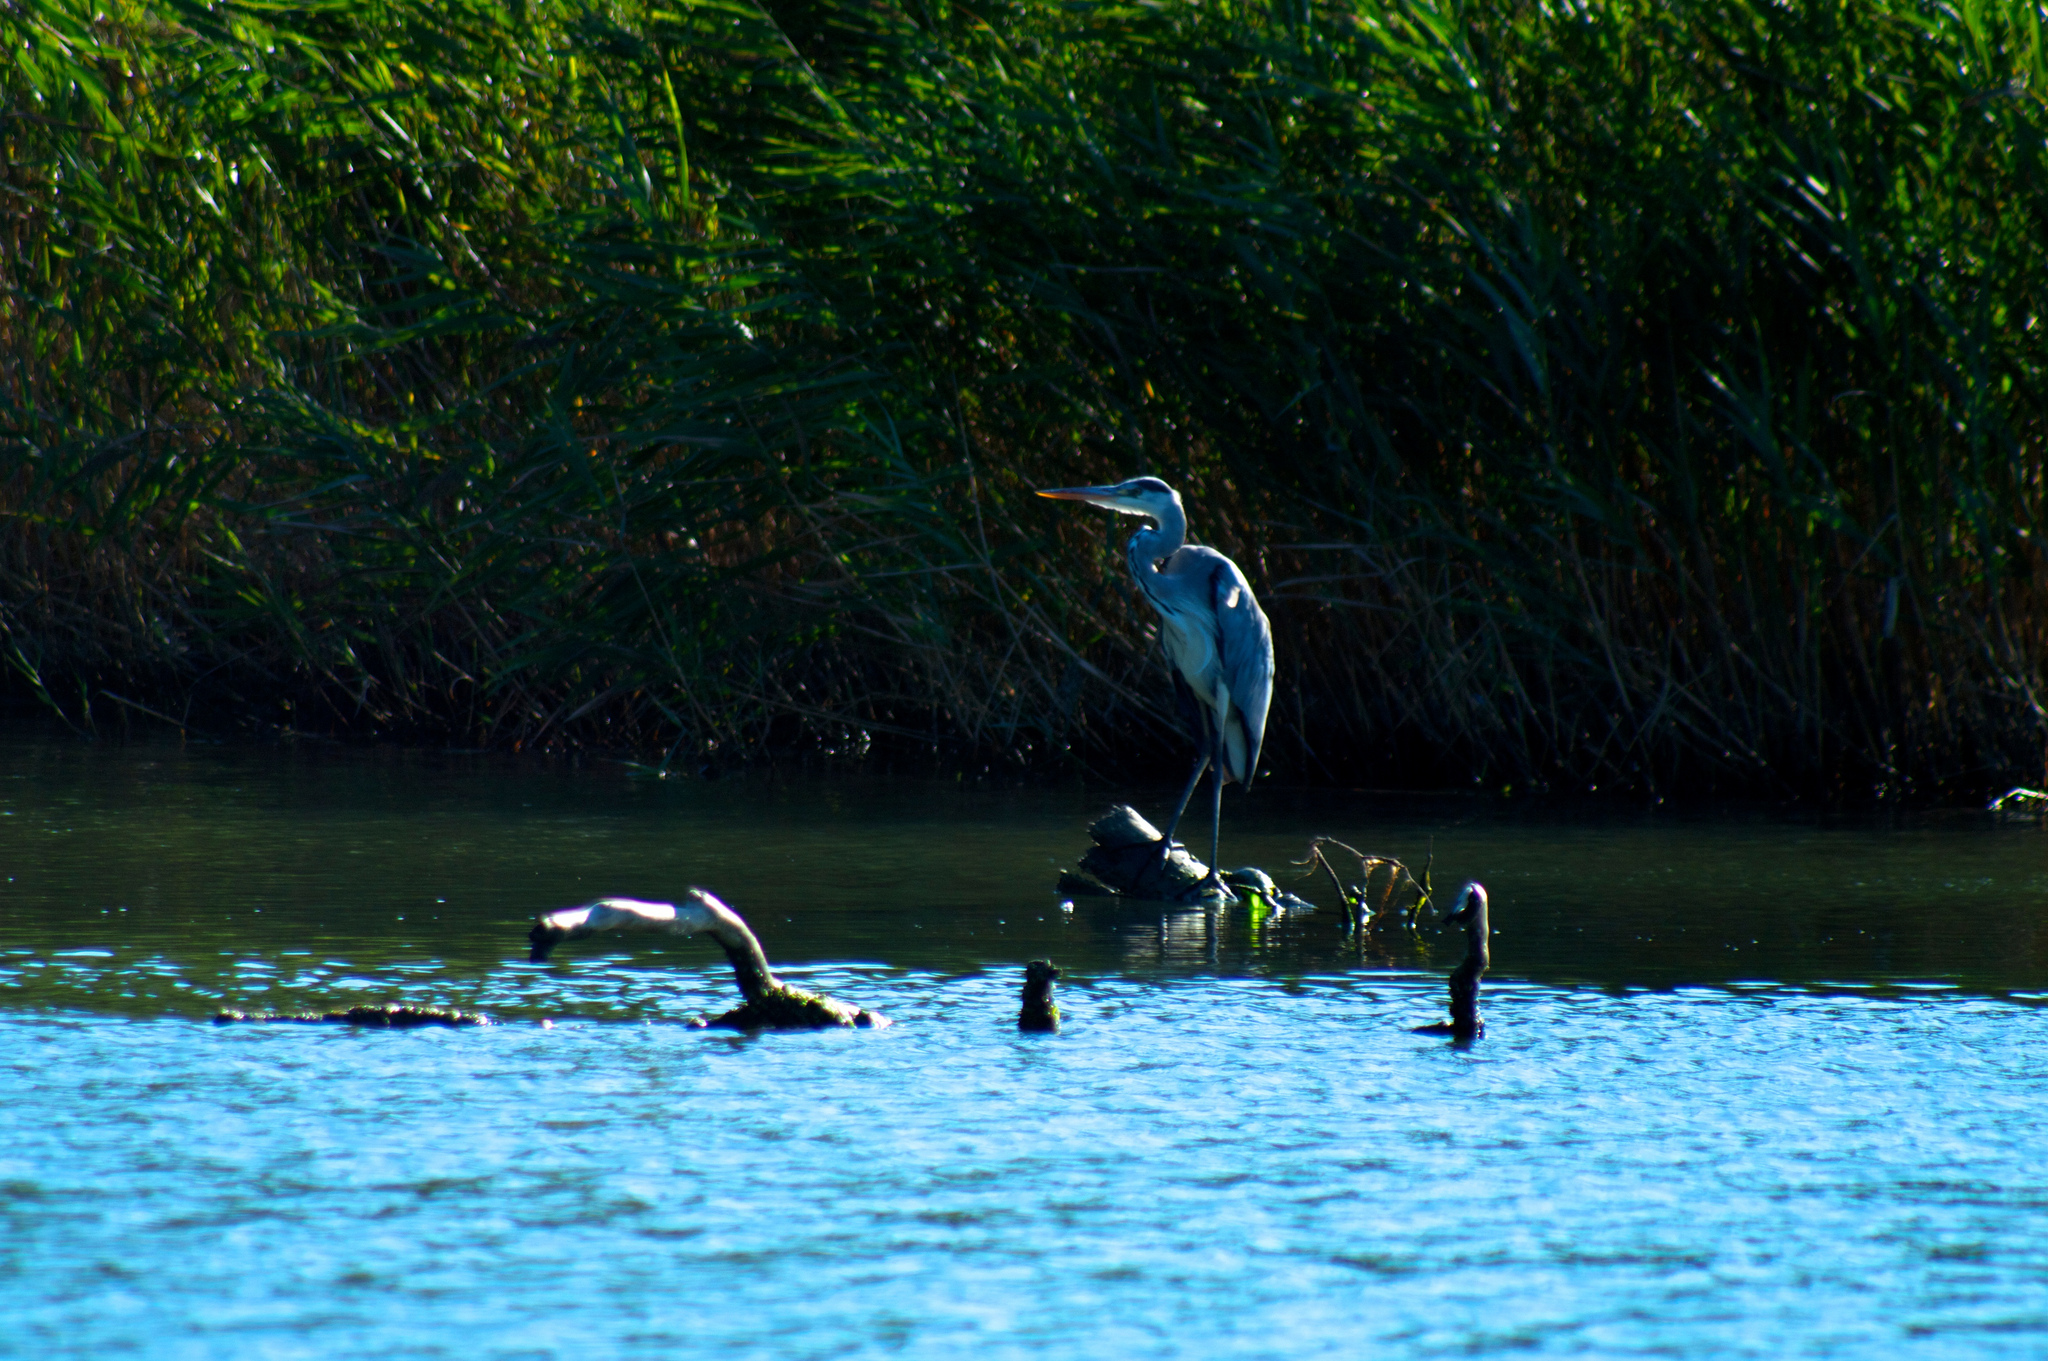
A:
(1216, 812)
(1201, 764)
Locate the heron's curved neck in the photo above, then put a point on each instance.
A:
(1148, 546)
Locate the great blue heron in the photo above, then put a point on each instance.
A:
(1215, 633)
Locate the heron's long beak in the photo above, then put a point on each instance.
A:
(1106, 497)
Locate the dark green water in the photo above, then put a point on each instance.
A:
(1753, 1084)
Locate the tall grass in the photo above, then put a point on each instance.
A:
(1643, 396)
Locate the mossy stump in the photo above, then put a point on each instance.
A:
(785, 1008)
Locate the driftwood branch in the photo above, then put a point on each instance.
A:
(1357, 899)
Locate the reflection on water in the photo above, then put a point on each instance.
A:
(1752, 1086)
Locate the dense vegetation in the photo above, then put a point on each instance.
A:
(1637, 393)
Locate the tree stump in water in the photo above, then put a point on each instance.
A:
(1125, 861)
(1039, 1012)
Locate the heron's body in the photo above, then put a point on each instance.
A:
(1197, 591)
(1216, 636)
(767, 1002)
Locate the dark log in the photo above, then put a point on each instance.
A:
(1126, 860)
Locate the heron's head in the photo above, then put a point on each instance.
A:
(1471, 903)
(1139, 496)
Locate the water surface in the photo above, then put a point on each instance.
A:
(1753, 1084)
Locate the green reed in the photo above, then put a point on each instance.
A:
(1631, 395)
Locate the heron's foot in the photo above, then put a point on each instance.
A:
(1209, 890)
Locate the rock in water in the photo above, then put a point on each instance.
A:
(1255, 884)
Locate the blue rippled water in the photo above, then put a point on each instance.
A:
(1207, 1167)
(1234, 1149)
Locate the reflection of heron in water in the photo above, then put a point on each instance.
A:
(1471, 914)
(1215, 633)
(770, 1004)
(1196, 936)
(1179, 938)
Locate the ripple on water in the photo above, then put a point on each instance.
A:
(1203, 1167)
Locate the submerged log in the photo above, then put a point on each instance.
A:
(767, 1002)
(385, 1017)
(770, 1004)
(1040, 1012)
(1125, 862)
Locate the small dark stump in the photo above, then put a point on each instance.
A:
(1040, 1012)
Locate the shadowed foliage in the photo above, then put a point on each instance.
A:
(1643, 396)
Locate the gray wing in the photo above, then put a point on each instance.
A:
(1244, 647)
